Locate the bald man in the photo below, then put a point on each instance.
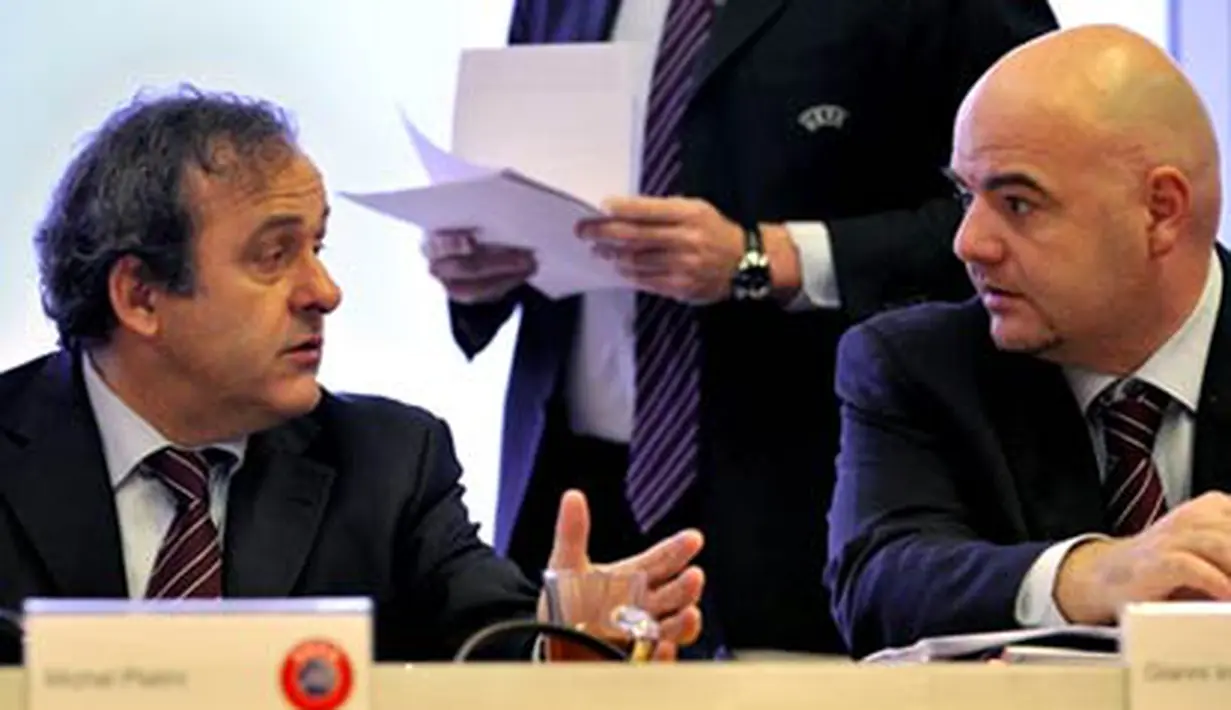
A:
(1058, 445)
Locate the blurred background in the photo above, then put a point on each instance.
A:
(345, 70)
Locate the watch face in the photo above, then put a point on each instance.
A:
(752, 281)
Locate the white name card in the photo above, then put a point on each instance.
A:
(1178, 654)
(307, 654)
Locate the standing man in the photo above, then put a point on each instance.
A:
(791, 186)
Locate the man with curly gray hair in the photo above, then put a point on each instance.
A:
(178, 444)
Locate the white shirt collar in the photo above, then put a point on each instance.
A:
(127, 438)
(1178, 367)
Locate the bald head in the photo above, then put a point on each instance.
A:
(1092, 175)
(1115, 96)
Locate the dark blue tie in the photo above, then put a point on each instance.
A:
(663, 448)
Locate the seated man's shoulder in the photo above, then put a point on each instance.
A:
(375, 414)
(18, 380)
(928, 325)
(930, 341)
(374, 435)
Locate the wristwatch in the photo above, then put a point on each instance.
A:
(751, 281)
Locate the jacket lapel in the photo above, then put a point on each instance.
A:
(735, 24)
(274, 509)
(55, 481)
(1046, 444)
(547, 330)
(1211, 452)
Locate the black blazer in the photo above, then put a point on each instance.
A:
(769, 424)
(960, 464)
(358, 498)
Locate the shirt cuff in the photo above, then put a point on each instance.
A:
(1036, 599)
(818, 282)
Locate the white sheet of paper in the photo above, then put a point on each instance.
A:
(542, 133)
(570, 115)
(508, 209)
(441, 165)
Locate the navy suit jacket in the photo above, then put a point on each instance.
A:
(358, 498)
(769, 419)
(960, 464)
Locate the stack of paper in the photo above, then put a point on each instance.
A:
(541, 135)
(1048, 655)
(1072, 643)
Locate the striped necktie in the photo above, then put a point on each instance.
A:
(663, 447)
(1132, 490)
(189, 561)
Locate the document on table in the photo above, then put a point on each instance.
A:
(1099, 640)
(1049, 656)
(542, 134)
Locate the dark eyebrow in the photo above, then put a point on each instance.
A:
(279, 221)
(998, 181)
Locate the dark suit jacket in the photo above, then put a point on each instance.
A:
(960, 464)
(769, 421)
(358, 498)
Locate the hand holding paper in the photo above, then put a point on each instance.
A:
(681, 248)
(538, 141)
(473, 272)
(501, 208)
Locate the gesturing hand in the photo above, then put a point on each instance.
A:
(674, 585)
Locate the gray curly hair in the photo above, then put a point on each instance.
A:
(123, 195)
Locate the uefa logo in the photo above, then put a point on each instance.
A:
(317, 675)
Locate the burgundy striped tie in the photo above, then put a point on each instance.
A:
(189, 562)
(663, 449)
(1132, 489)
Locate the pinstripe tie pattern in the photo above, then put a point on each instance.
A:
(189, 562)
(1132, 489)
(663, 449)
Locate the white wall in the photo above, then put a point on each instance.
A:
(1199, 39)
(1195, 32)
(1149, 17)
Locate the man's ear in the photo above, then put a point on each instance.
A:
(133, 299)
(1169, 206)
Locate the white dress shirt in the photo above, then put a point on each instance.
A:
(1177, 368)
(143, 505)
(601, 376)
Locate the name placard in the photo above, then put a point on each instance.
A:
(1178, 654)
(308, 654)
